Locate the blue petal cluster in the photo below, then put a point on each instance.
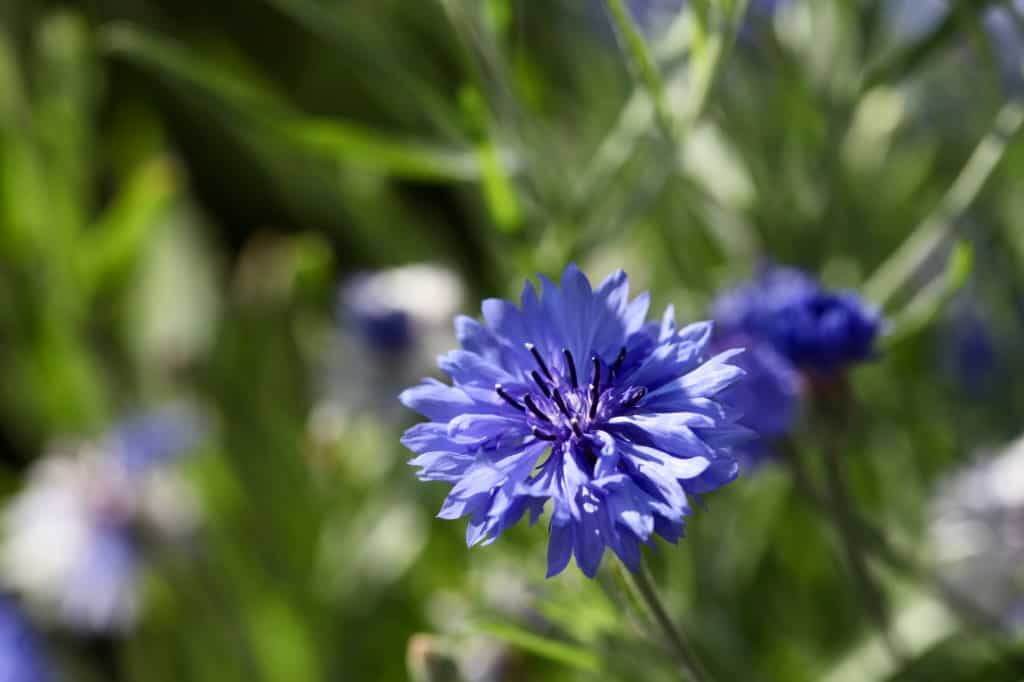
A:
(651, 13)
(100, 501)
(145, 441)
(769, 398)
(379, 323)
(21, 655)
(395, 311)
(912, 20)
(815, 329)
(1003, 24)
(573, 397)
(969, 355)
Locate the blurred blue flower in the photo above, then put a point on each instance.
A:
(968, 351)
(652, 15)
(910, 20)
(389, 310)
(1004, 25)
(392, 324)
(149, 440)
(769, 397)
(73, 542)
(574, 398)
(21, 655)
(817, 330)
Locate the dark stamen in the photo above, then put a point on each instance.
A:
(528, 399)
(541, 383)
(593, 400)
(617, 365)
(635, 395)
(507, 398)
(576, 427)
(540, 361)
(572, 367)
(561, 403)
(540, 435)
(595, 381)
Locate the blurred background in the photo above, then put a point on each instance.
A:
(232, 232)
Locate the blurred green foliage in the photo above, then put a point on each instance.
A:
(182, 185)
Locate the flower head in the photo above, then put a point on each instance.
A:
(73, 542)
(968, 352)
(654, 15)
(815, 329)
(1003, 25)
(391, 326)
(574, 398)
(21, 655)
(390, 310)
(909, 21)
(768, 398)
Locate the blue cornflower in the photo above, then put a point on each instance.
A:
(769, 397)
(653, 16)
(73, 538)
(817, 330)
(968, 352)
(1005, 28)
(911, 20)
(147, 441)
(574, 398)
(391, 326)
(389, 311)
(21, 655)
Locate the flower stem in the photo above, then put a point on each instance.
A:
(877, 546)
(941, 225)
(644, 67)
(680, 645)
(835, 410)
(849, 533)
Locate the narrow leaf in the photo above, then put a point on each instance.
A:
(542, 647)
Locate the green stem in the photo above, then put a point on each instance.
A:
(643, 64)
(850, 537)
(878, 546)
(985, 627)
(680, 645)
(940, 225)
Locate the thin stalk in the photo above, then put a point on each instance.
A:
(649, 100)
(940, 225)
(878, 547)
(681, 647)
(644, 66)
(854, 548)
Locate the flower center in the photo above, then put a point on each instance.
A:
(560, 408)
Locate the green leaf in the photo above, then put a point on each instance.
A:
(409, 159)
(67, 86)
(339, 140)
(114, 242)
(386, 50)
(23, 208)
(919, 625)
(940, 225)
(542, 647)
(929, 302)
